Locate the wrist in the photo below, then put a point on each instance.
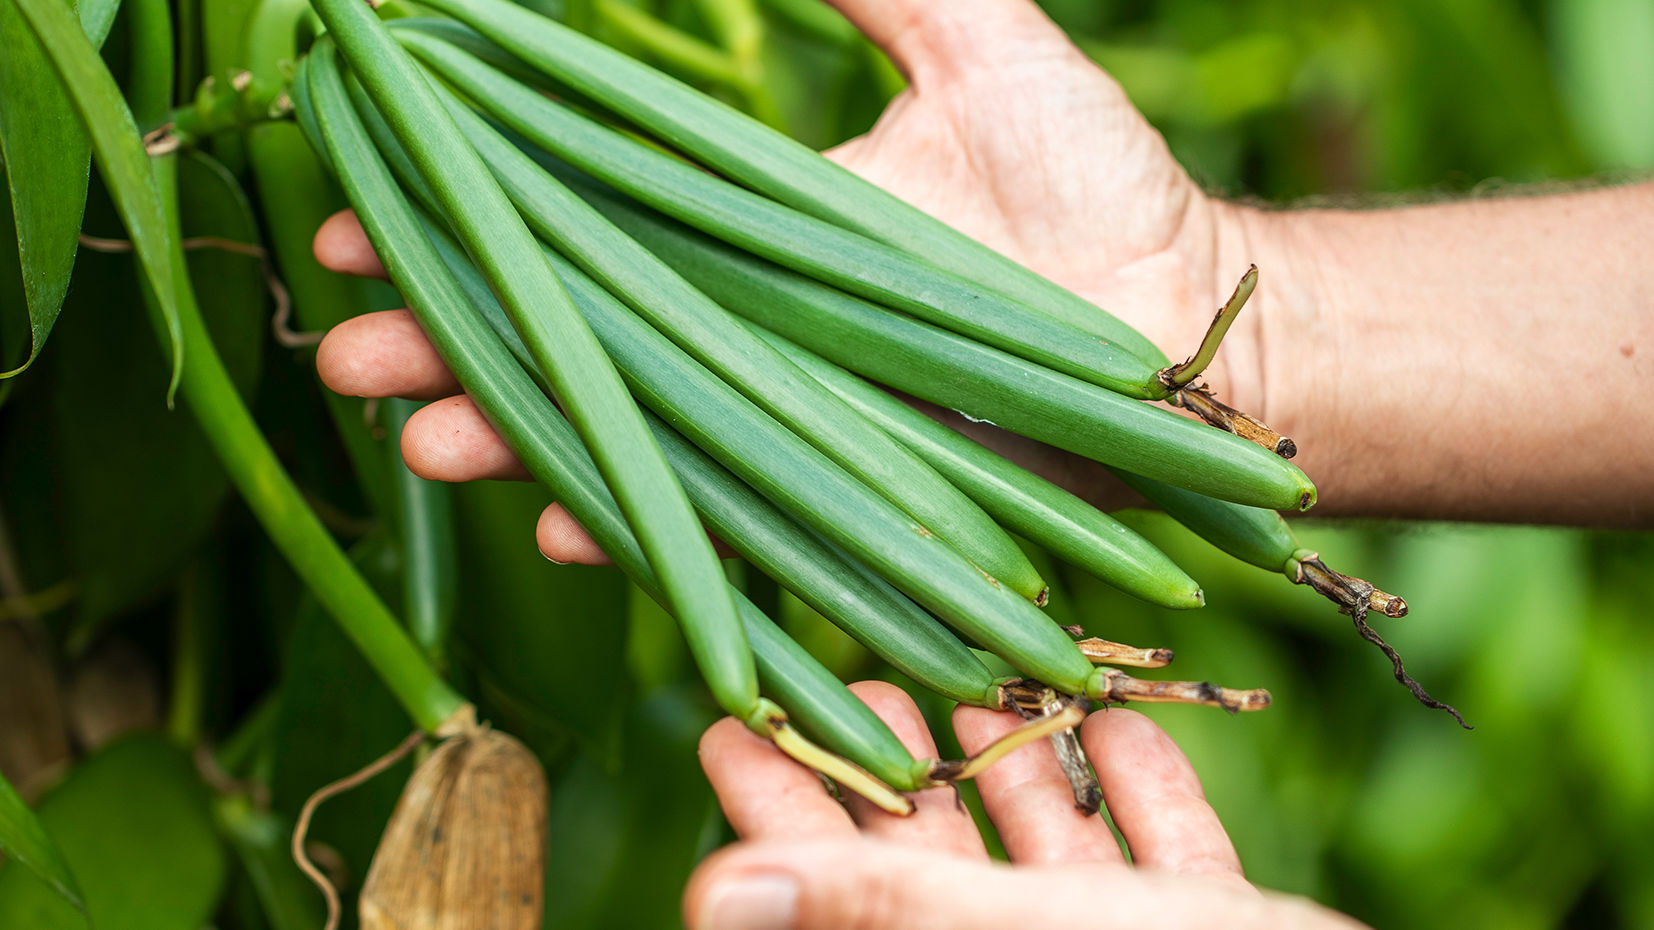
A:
(1284, 369)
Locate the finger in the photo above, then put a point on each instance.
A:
(449, 440)
(834, 884)
(923, 36)
(562, 539)
(341, 245)
(1029, 799)
(383, 354)
(1155, 797)
(939, 820)
(764, 794)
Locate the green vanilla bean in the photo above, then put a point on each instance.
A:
(754, 155)
(718, 340)
(838, 587)
(430, 560)
(546, 444)
(585, 381)
(808, 245)
(1045, 514)
(980, 381)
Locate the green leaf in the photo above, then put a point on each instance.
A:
(24, 841)
(169, 486)
(133, 823)
(47, 162)
(119, 151)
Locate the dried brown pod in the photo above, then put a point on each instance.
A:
(466, 847)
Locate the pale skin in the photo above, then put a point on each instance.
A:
(1483, 360)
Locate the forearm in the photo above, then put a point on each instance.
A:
(1482, 360)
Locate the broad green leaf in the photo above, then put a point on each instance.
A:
(551, 637)
(169, 485)
(24, 841)
(119, 151)
(47, 162)
(133, 823)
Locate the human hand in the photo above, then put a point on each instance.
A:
(805, 861)
(1007, 132)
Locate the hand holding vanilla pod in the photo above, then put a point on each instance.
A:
(482, 193)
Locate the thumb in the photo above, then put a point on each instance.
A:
(863, 884)
(872, 885)
(923, 36)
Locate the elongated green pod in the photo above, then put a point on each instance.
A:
(758, 157)
(430, 561)
(549, 447)
(1252, 534)
(979, 381)
(585, 381)
(717, 339)
(837, 586)
(1045, 514)
(804, 243)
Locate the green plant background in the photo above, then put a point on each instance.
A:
(122, 531)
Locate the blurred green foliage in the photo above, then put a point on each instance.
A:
(1345, 790)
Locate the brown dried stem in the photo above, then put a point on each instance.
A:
(1122, 688)
(1104, 652)
(1035, 702)
(1357, 598)
(1219, 414)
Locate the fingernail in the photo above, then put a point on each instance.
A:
(755, 902)
(551, 560)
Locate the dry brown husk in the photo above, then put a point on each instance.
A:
(466, 846)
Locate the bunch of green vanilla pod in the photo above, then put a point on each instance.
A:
(673, 324)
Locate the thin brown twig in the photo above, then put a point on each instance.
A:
(344, 784)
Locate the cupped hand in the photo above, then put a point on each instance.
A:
(1008, 133)
(806, 861)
